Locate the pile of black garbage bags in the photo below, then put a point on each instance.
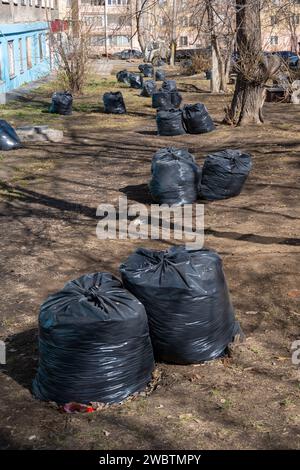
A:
(99, 337)
(171, 120)
(176, 179)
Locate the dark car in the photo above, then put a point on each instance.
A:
(291, 58)
(128, 54)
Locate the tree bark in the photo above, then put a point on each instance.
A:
(140, 5)
(172, 53)
(247, 104)
(249, 94)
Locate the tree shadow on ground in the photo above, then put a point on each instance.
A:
(22, 356)
(139, 193)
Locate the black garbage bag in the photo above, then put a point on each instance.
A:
(169, 122)
(197, 119)
(114, 102)
(175, 177)
(147, 70)
(124, 77)
(149, 87)
(176, 99)
(160, 75)
(61, 103)
(136, 80)
(94, 343)
(224, 174)
(169, 85)
(162, 100)
(9, 139)
(191, 318)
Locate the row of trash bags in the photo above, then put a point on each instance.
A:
(176, 179)
(9, 139)
(99, 337)
(192, 119)
(147, 70)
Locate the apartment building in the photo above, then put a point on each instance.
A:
(281, 25)
(115, 20)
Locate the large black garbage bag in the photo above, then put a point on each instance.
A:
(176, 99)
(175, 177)
(162, 100)
(186, 298)
(61, 103)
(160, 75)
(169, 122)
(149, 87)
(9, 139)
(224, 174)
(169, 85)
(124, 77)
(197, 119)
(147, 70)
(114, 103)
(136, 80)
(94, 343)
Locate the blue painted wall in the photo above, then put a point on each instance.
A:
(23, 73)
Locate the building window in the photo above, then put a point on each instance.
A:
(184, 21)
(97, 41)
(21, 56)
(119, 41)
(183, 41)
(28, 52)
(296, 19)
(273, 20)
(274, 40)
(41, 46)
(96, 3)
(11, 58)
(117, 2)
(97, 21)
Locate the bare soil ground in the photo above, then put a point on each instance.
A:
(49, 195)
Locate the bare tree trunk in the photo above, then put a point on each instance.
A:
(140, 5)
(249, 94)
(173, 53)
(215, 72)
(219, 75)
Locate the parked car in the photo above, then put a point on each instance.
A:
(128, 54)
(291, 58)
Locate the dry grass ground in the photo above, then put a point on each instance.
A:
(49, 194)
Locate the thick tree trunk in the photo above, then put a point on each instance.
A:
(249, 94)
(247, 104)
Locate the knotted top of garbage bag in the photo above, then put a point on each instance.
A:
(169, 85)
(171, 154)
(92, 298)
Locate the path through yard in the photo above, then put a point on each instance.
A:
(49, 195)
